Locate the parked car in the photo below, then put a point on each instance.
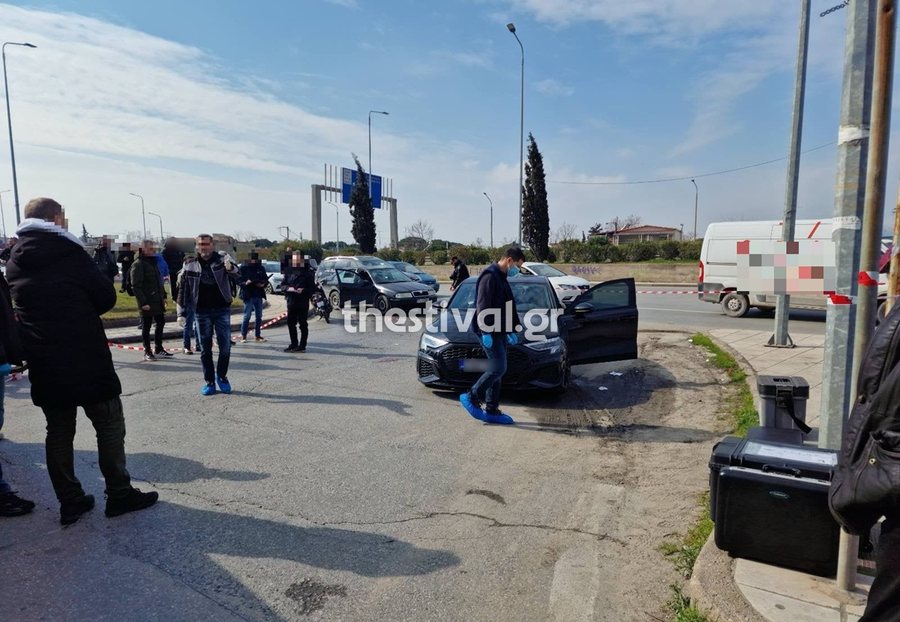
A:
(273, 269)
(330, 264)
(353, 285)
(416, 274)
(567, 287)
(600, 325)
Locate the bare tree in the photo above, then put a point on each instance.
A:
(420, 229)
(565, 232)
(245, 236)
(616, 224)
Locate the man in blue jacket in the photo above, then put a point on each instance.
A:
(497, 324)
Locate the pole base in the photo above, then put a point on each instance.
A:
(771, 343)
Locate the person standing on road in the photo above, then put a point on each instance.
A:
(174, 258)
(298, 286)
(253, 291)
(10, 354)
(150, 293)
(126, 258)
(460, 272)
(60, 295)
(104, 259)
(7, 250)
(494, 301)
(206, 290)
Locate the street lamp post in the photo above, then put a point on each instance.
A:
(370, 149)
(492, 218)
(512, 28)
(12, 151)
(337, 226)
(161, 239)
(143, 213)
(696, 200)
(2, 215)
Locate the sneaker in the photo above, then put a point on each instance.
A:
(148, 356)
(497, 418)
(134, 501)
(260, 339)
(71, 511)
(11, 505)
(291, 349)
(208, 389)
(472, 406)
(164, 354)
(187, 350)
(243, 339)
(224, 385)
(300, 349)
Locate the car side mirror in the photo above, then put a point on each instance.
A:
(443, 303)
(582, 308)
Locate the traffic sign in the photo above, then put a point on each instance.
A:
(348, 180)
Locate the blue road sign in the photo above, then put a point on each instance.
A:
(348, 180)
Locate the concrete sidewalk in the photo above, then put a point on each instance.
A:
(777, 594)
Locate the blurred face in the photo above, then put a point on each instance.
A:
(297, 261)
(205, 247)
(148, 249)
(60, 220)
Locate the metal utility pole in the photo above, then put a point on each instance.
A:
(781, 338)
(2, 215)
(512, 28)
(162, 240)
(12, 151)
(894, 274)
(143, 213)
(853, 149)
(337, 225)
(492, 218)
(370, 149)
(696, 203)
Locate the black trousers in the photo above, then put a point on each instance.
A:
(160, 320)
(298, 315)
(109, 423)
(173, 285)
(884, 597)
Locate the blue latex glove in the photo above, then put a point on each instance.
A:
(5, 369)
(512, 339)
(487, 341)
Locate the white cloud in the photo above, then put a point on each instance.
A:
(350, 4)
(553, 87)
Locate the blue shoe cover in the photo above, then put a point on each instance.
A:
(466, 400)
(498, 418)
(208, 389)
(224, 385)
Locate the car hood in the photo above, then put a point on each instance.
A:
(397, 288)
(568, 280)
(459, 334)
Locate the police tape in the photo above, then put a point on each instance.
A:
(274, 320)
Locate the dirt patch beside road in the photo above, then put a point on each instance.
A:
(655, 420)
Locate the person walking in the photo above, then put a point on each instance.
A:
(60, 294)
(190, 333)
(298, 286)
(206, 290)
(460, 272)
(253, 291)
(10, 354)
(150, 293)
(126, 258)
(494, 301)
(104, 259)
(174, 258)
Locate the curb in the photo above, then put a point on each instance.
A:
(176, 333)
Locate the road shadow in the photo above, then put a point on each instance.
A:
(155, 467)
(394, 406)
(632, 433)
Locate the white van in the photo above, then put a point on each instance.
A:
(718, 264)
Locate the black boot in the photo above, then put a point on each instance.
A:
(132, 502)
(71, 511)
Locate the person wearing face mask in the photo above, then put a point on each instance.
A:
(298, 286)
(498, 324)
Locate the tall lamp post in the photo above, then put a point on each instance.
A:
(696, 200)
(2, 215)
(143, 213)
(512, 28)
(492, 218)
(337, 226)
(161, 239)
(12, 151)
(370, 149)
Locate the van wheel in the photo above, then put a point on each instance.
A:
(735, 305)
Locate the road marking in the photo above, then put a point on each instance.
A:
(640, 308)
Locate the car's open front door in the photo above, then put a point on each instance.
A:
(602, 323)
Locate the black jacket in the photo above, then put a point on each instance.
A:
(305, 279)
(60, 295)
(460, 273)
(174, 259)
(10, 343)
(105, 261)
(494, 293)
(147, 283)
(255, 273)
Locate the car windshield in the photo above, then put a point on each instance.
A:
(372, 261)
(388, 275)
(528, 296)
(271, 266)
(542, 269)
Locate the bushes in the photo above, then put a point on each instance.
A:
(389, 254)
(439, 258)
(599, 250)
(641, 251)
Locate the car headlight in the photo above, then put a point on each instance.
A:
(404, 295)
(430, 341)
(572, 287)
(430, 292)
(551, 345)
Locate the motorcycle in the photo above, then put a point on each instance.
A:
(321, 305)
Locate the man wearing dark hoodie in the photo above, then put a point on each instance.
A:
(150, 293)
(60, 294)
(497, 324)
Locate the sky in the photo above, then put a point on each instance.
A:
(223, 113)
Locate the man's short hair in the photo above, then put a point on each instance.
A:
(43, 208)
(454, 258)
(515, 253)
(254, 255)
(204, 236)
(148, 243)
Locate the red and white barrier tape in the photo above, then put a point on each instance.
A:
(274, 320)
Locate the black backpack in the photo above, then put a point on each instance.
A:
(866, 481)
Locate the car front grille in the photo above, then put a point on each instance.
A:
(425, 368)
(421, 292)
(516, 363)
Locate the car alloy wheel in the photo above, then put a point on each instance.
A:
(335, 299)
(382, 304)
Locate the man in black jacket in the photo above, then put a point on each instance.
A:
(253, 291)
(150, 293)
(104, 259)
(126, 258)
(60, 295)
(460, 272)
(298, 286)
(498, 325)
(174, 258)
(10, 353)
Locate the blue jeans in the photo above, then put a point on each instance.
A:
(252, 305)
(216, 321)
(487, 388)
(190, 328)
